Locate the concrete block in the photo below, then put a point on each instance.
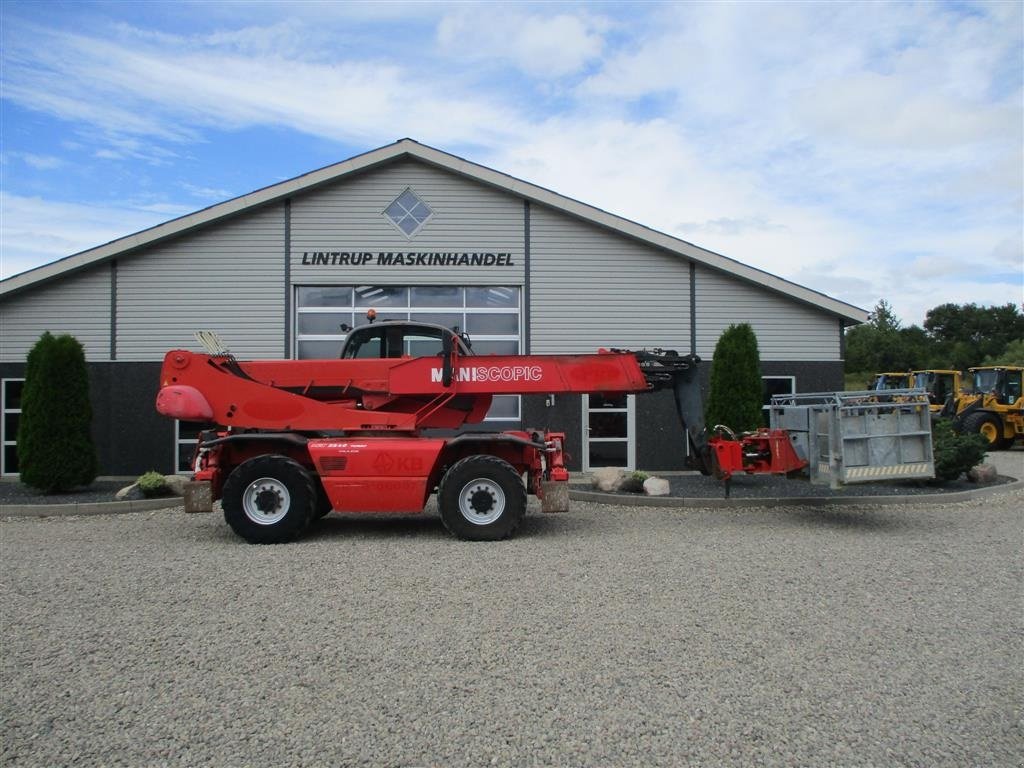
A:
(556, 496)
(198, 496)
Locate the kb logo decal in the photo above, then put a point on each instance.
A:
(386, 464)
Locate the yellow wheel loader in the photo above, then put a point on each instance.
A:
(940, 384)
(995, 407)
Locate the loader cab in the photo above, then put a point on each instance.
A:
(1004, 383)
(401, 338)
(941, 385)
(890, 380)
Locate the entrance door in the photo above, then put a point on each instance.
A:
(609, 429)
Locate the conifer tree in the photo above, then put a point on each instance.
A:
(55, 448)
(736, 394)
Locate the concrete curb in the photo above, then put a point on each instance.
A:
(95, 508)
(792, 501)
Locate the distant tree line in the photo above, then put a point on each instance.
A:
(955, 336)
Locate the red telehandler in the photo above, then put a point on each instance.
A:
(300, 438)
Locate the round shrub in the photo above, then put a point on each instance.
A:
(955, 453)
(153, 484)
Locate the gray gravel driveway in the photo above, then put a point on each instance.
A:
(852, 636)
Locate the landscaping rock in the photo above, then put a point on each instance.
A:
(983, 473)
(176, 484)
(129, 493)
(656, 486)
(608, 479)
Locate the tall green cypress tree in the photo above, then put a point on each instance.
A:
(736, 394)
(55, 448)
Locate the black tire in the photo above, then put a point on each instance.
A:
(268, 499)
(481, 498)
(986, 425)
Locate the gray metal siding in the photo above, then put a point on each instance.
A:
(227, 279)
(78, 304)
(468, 217)
(591, 288)
(786, 330)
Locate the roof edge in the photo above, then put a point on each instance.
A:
(456, 164)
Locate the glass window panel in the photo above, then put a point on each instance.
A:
(323, 322)
(607, 401)
(319, 350)
(408, 225)
(423, 347)
(381, 317)
(12, 394)
(610, 424)
(492, 297)
(776, 385)
(328, 296)
(504, 407)
(407, 200)
(186, 452)
(487, 347)
(436, 296)
(503, 325)
(370, 349)
(394, 211)
(11, 425)
(447, 319)
(11, 459)
(608, 454)
(420, 212)
(189, 430)
(377, 296)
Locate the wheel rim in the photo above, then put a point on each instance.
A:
(481, 501)
(266, 501)
(989, 432)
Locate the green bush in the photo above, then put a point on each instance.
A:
(955, 453)
(736, 394)
(152, 484)
(634, 483)
(55, 448)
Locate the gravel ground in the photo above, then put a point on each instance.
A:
(609, 636)
(1009, 464)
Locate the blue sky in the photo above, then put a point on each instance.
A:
(866, 150)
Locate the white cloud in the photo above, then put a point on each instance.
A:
(540, 44)
(34, 231)
(137, 87)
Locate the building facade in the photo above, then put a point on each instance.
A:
(413, 233)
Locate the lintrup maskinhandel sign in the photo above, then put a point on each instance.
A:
(405, 259)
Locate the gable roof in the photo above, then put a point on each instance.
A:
(407, 148)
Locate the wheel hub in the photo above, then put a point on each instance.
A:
(482, 501)
(266, 501)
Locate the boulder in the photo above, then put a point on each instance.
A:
(608, 479)
(656, 486)
(129, 493)
(983, 473)
(176, 484)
